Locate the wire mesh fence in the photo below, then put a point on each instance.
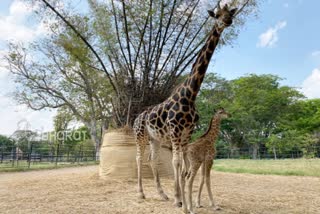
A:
(46, 156)
(37, 156)
(265, 153)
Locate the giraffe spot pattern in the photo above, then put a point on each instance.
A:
(184, 101)
(171, 115)
(203, 68)
(179, 116)
(175, 97)
(159, 123)
(164, 115)
(194, 83)
(188, 92)
(182, 92)
(185, 108)
(189, 118)
(176, 107)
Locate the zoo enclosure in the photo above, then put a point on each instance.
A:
(265, 153)
(45, 155)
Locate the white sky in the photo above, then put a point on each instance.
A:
(15, 25)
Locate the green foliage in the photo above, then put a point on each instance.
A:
(6, 143)
(305, 116)
(215, 93)
(265, 114)
(71, 138)
(308, 145)
(284, 142)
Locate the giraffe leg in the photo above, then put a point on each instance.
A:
(155, 153)
(208, 184)
(190, 178)
(203, 168)
(185, 166)
(176, 162)
(141, 145)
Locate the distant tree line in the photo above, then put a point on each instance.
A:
(266, 116)
(41, 143)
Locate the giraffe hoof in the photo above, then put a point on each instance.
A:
(216, 208)
(141, 196)
(177, 204)
(164, 197)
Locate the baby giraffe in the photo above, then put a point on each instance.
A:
(200, 153)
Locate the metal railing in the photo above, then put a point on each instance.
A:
(50, 156)
(265, 153)
(46, 156)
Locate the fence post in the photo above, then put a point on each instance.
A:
(79, 154)
(52, 153)
(57, 154)
(29, 156)
(17, 155)
(75, 155)
(2, 154)
(12, 156)
(68, 155)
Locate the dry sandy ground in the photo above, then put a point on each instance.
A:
(78, 190)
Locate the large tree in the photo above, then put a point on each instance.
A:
(114, 60)
(258, 105)
(259, 102)
(49, 75)
(144, 46)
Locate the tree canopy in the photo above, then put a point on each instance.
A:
(110, 63)
(265, 114)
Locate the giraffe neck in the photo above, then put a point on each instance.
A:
(213, 129)
(193, 83)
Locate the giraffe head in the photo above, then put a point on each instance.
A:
(221, 113)
(223, 15)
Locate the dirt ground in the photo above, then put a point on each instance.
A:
(79, 190)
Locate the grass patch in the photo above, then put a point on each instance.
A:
(297, 167)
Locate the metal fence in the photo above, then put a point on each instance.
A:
(264, 153)
(49, 156)
(45, 156)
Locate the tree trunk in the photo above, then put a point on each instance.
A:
(94, 137)
(274, 152)
(234, 151)
(255, 149)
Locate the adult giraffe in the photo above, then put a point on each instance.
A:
(173, 120)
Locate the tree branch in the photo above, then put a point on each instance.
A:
(83, 39)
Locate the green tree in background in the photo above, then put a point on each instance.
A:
(258, 102)
(6, 144)
(259, 106)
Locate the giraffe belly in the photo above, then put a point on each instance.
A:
(156, 134)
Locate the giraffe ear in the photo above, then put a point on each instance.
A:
(212, 13)
(226, 7)
(233, 11)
